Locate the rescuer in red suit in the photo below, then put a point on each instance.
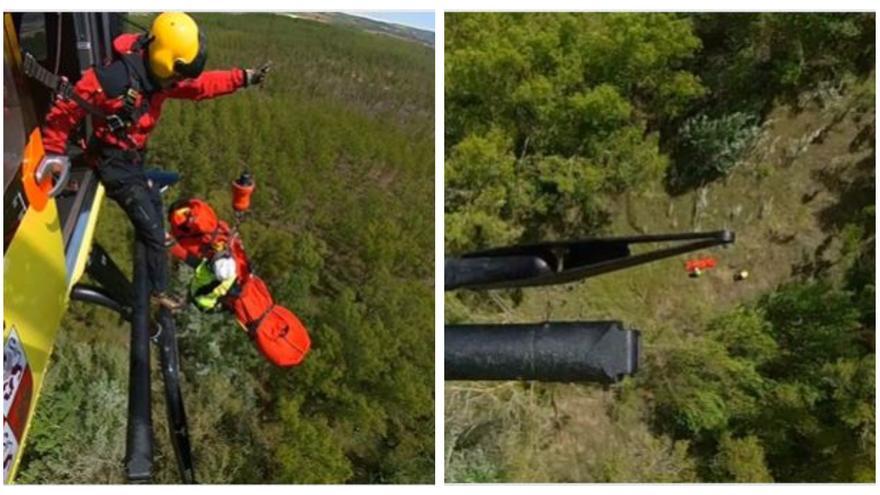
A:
(125, 99)
(201, 239)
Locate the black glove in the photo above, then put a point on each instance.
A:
(258, 75)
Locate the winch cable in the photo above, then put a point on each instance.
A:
(58, 47)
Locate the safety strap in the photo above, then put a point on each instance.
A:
(255, 324)
(117, 123)
(58, 84)
(130, 112)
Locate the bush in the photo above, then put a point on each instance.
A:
(741, 460)
(777, 387)
(78, 432)
(709, 148)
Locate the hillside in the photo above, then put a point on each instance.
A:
(729, 386)
(340, 141)
(371, 25)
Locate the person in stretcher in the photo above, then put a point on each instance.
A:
(224, 281)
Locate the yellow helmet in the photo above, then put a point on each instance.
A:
(177, 47)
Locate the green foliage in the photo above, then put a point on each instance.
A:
(818, 328)
(749, 60)
(559, 112)
(481, 189)
(741, 460)
(558, 432)
(322, 462)
(709, 148)
(701, 389)
(789, 376)
(811, 323)
(82, 397)
(473, 466)
(555, 80)
(747, 63)
(746, 334)
(341, 145)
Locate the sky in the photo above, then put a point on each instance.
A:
(421, 20)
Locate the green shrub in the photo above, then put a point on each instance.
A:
(741, 460)
(710, 147)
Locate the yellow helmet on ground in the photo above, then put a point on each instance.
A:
(177, 47)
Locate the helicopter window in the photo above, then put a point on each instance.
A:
(32, 35)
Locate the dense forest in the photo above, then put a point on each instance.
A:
(340, 140)
(565, 125)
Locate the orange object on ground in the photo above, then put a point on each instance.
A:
(692, 266)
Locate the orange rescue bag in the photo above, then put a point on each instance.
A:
(276, 331)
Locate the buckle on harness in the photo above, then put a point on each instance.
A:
(131, 93)
(115, 123)
(124, 119)
(64, 88)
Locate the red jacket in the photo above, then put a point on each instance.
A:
(197, 231)
(66, 114)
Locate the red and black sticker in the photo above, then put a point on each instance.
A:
(18, 387)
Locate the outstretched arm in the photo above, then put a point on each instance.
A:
(209, 85)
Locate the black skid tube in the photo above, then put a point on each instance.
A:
(96, 295)
(178, 430)
(139, 434)
(585, 351)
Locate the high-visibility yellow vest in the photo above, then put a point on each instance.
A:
(205, 289)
